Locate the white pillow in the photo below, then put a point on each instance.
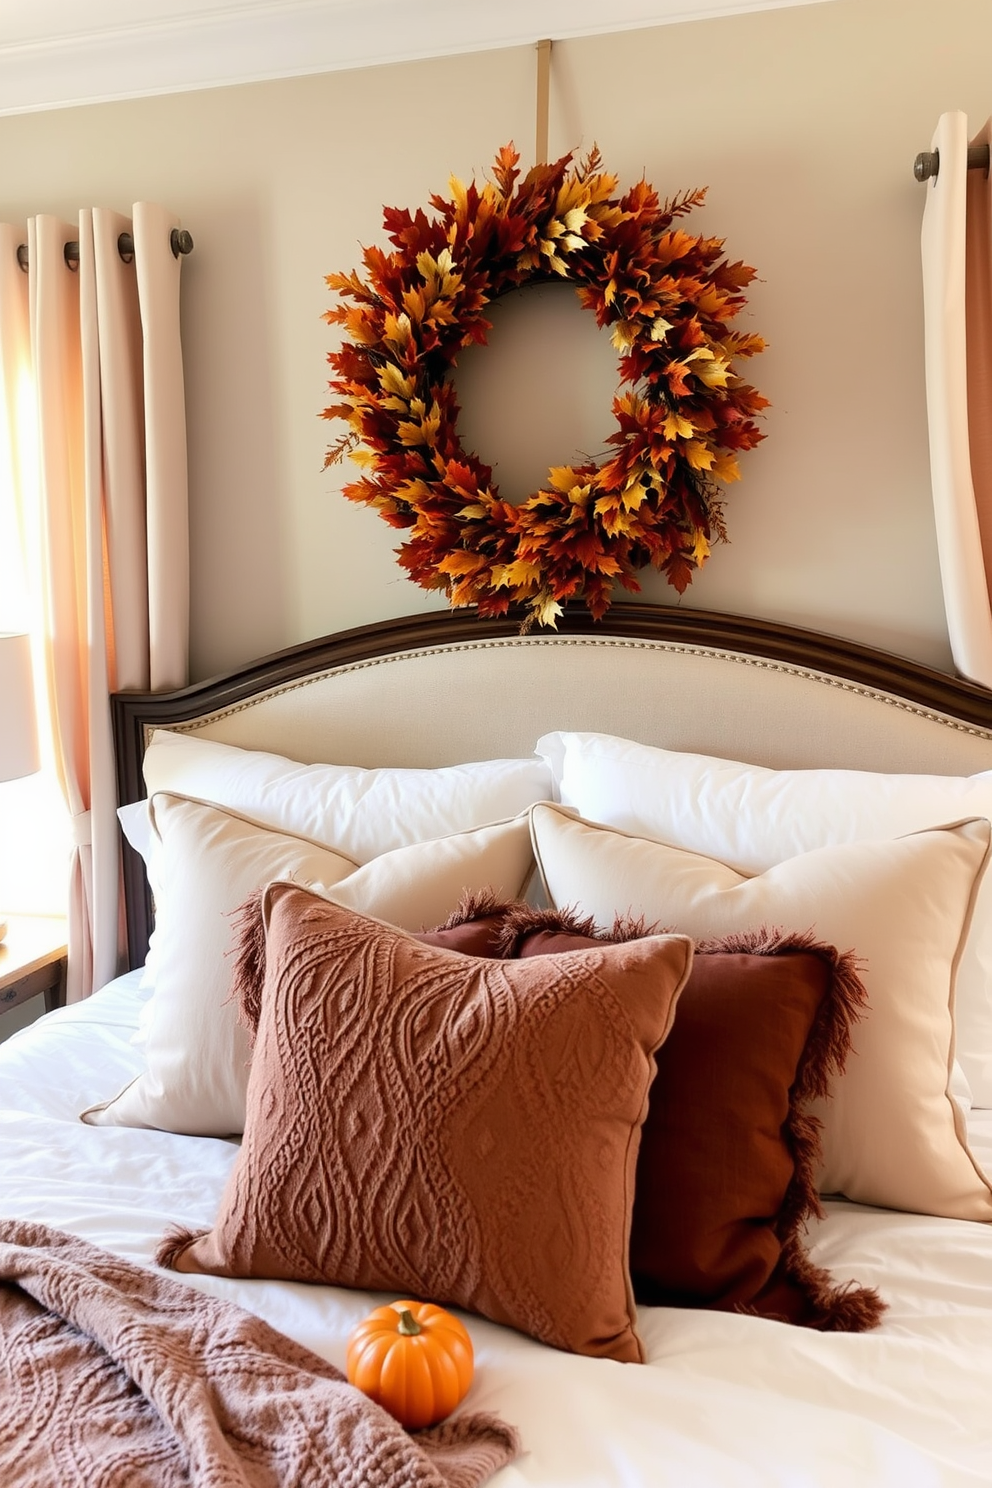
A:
(752, 818)
(212, 860)
(358, 812)
(891, 1134)
(136, 825)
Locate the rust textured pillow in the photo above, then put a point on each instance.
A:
(725, 1173)
(441, 1125)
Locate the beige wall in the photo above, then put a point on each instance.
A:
(803, 123)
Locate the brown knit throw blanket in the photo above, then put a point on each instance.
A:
(115, 1375)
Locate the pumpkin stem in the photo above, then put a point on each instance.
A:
(408, 1324)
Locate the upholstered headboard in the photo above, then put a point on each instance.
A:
(447, 687)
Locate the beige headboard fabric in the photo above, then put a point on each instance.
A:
(484, 699)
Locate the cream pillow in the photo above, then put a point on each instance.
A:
(752, 818)
(212, 860)
(891, 1135)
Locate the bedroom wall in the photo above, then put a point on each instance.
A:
(803, 123)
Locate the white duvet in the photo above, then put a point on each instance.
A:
(723, 1401)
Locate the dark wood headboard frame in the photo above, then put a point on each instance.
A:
(134, 712)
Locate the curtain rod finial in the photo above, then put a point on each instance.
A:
(926, 165)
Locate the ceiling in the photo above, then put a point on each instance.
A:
(58, 52)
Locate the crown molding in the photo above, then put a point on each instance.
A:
(49, 61)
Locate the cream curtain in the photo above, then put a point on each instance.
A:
(957, 294)
(105, 513)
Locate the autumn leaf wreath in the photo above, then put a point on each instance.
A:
(682, 414)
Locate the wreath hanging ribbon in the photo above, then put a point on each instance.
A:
(682, 413)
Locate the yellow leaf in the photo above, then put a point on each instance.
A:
(677, 427)
(715, 373)
(701, 549)
(623, 334)
(726, 467)
(660, 328)
(415, 304)
(635, 493)
(413, 491)
(439, 273)
(393, 381)
(458, 195)
(517, 575)
(422, 427)
(573, 195)
(547, 609)
(363, 457)
(562, 478)
(711, 300)
(699, 455)
(397, 329)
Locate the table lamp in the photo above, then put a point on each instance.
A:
(18, 730)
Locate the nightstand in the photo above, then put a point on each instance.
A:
(33, 960)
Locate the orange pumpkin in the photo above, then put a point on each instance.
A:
(414, 1358)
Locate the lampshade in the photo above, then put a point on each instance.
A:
(18, 731)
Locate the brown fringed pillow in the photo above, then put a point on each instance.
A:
(439, 1125)
(725, 1173)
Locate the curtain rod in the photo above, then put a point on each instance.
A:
(180, 241)
(927, 163)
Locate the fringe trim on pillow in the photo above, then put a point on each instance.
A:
(837, 1308)
(475, 904)
(521, 920)
(826, 1050)
(172, 1244)
(629, 927)
(248, 974)
(518, 920)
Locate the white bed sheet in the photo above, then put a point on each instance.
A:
(723, 1402)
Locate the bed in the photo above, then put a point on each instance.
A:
(698, 748)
